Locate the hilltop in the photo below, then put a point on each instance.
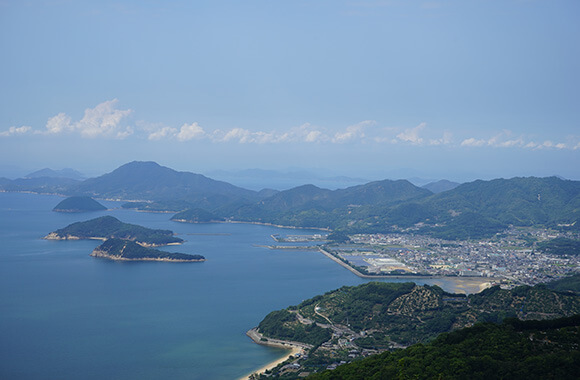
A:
(78, 204)
(153, 182)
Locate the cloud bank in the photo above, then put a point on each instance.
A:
(107, 121)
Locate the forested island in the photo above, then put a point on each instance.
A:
(354, 322)
(107, 227)
(126, 250)
(78, 204)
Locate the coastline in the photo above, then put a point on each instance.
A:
(114, 258)
(467, 284)
(293, 347)
(55, 236)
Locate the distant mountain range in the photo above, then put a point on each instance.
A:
(443, 209)
(62, 173)
(440, 186)
(259, 179)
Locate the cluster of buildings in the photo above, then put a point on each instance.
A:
(511, 257)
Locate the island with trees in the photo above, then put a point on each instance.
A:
(126, 250)
(78, 204)
(107, 227)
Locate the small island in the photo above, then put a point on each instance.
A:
(107, 227)
(78, 204)
(126, 250)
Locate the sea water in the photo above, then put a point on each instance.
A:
(66, 315)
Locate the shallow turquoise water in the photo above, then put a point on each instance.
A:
(66, 315)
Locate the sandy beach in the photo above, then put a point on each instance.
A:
(273, 364)
(293, 348)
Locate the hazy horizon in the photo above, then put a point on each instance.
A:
(381, 89)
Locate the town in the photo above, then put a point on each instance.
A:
(510, 258)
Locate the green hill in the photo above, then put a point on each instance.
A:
(41, 185)
(512, 350)
(351, 322)
(476, 210)
(107, 227)
(560, 246)
(153, 182)
(566, 284)
(380, 315)
(440, 186)
(196, 215)
(518, 201)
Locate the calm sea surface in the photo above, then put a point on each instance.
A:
(66, 315)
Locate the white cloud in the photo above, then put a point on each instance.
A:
(15, 131)
(411, 135)
(353, 132)
(162, 133)
(306, 133)
(502, 140)
(445, 140)
(242, 135)
(303, 133)
(511, 143)
(313, 136)
(473, 142)
(547, 144)
(191, 131)
(59, 123)
(103, 120)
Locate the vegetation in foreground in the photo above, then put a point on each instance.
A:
(350, 323)
(514, 349)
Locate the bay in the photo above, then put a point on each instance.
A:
(66, 315)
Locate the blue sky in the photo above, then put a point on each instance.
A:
(375, 89)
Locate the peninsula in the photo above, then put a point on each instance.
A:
(126, 250)
(350, 323)
(107, 227)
